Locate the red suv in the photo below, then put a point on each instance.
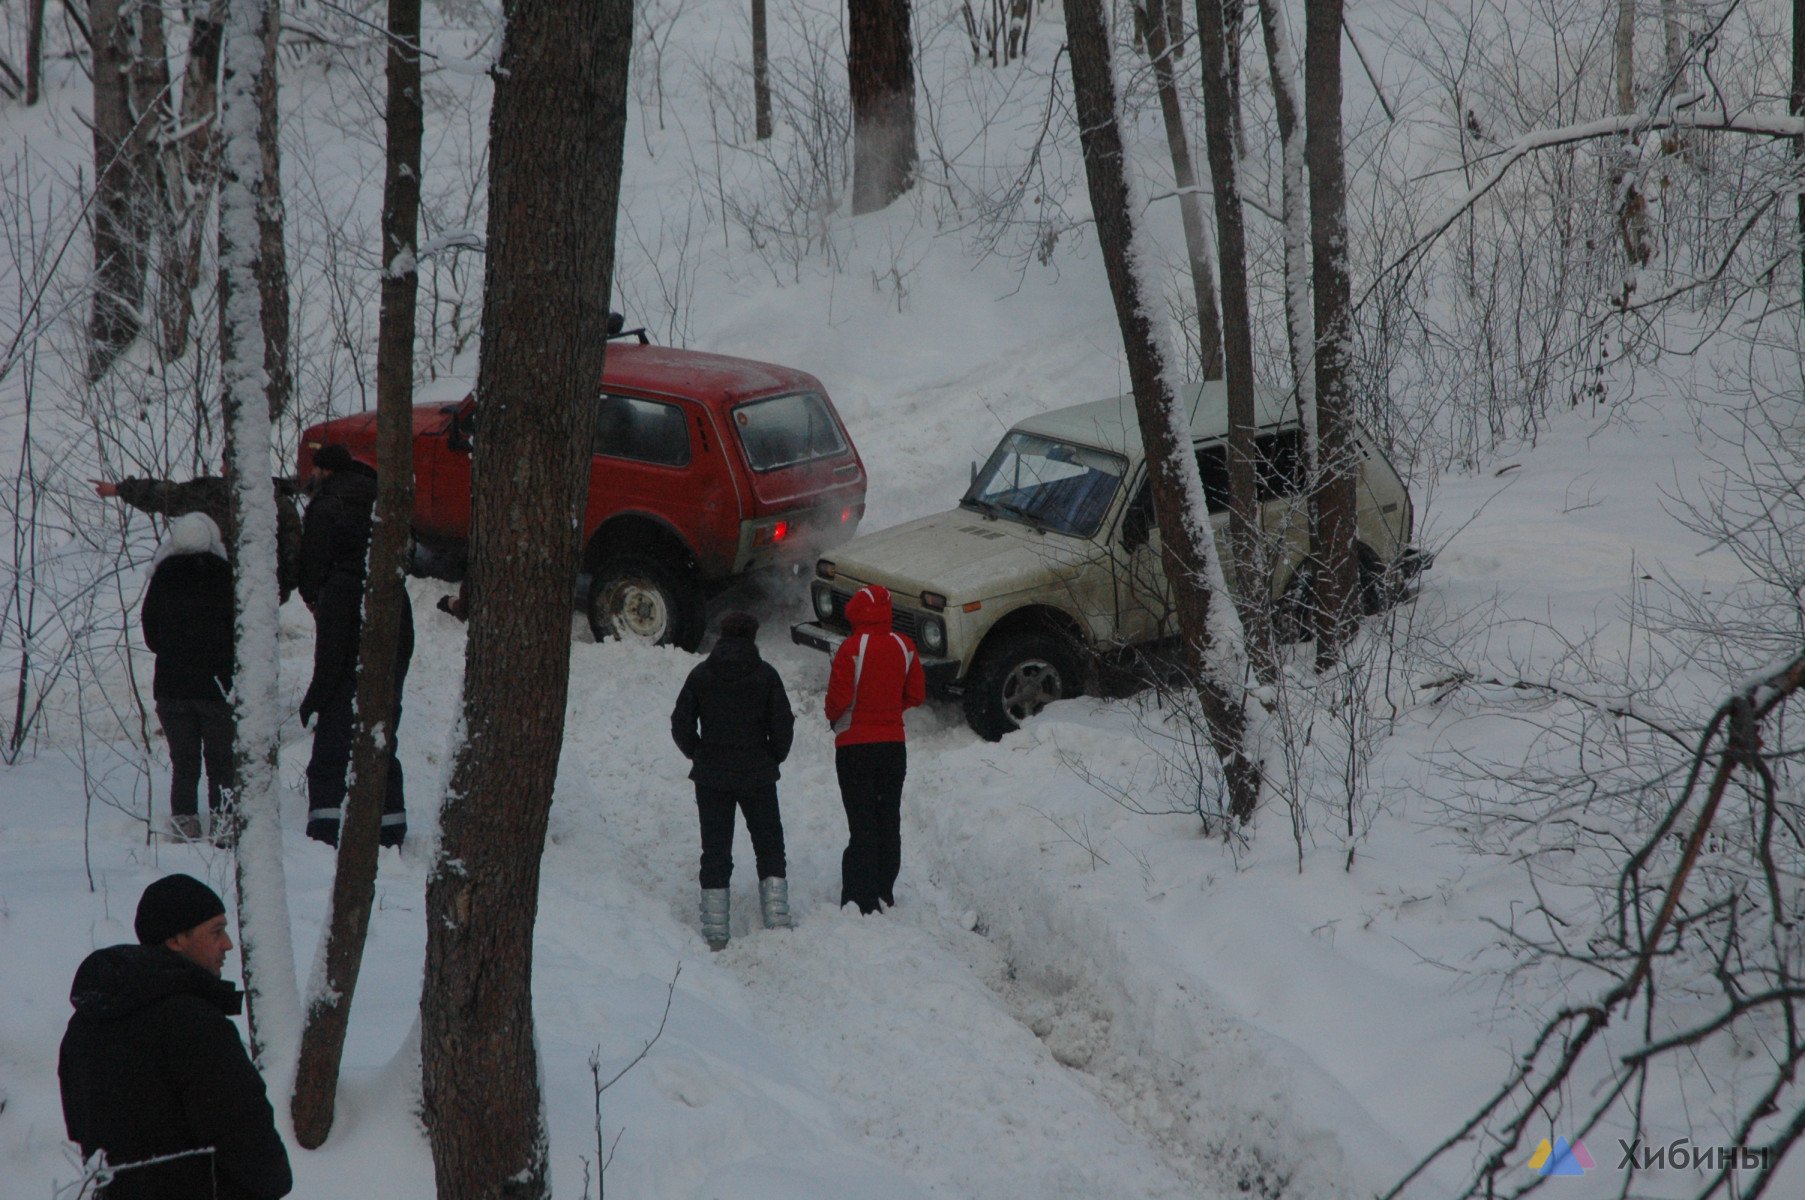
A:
(705, 467)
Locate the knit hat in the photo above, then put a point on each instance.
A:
(174, 904)
(332, 457)
(739, 625)
(191, 533)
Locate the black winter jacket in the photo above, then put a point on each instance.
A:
(335, 543)
(212, 495)
(733, 718)
(187, 620)
(151, 1066)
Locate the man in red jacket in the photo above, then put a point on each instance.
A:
(876, 675)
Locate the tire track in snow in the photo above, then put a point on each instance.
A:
(898, 1015)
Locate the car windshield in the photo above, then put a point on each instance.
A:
(786, 430)
(1046, 483)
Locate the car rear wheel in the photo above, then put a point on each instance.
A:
(638, 599)
(1293, 615)
(1018, 677)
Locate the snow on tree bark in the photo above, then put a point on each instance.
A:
(1214, 644)
(273, 999)
(1300, 323)
(1221, 99)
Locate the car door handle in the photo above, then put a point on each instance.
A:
(845, 468)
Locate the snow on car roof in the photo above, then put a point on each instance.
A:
(1111, 425)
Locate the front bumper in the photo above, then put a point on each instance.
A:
(942, 673)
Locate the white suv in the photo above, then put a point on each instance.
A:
(1051, 562)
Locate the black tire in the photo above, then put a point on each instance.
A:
(646, 599)
(1291, 616)
(1018, 676)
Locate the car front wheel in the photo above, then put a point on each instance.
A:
(1018, 677)
(644, 600)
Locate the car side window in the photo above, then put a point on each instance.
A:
(648, 431)
(1212, 463)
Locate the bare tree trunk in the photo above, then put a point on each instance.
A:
(1208, 629)
(880, 62)
(120, 228)
(1300, 323)
(1220, 100)
(1162, 28)
(191, 180)
(1338, 581)
(556, 134)
(272, 277)
(354, 885)
(1797, 108)
(761, 72)
(34, 51)
(273, 1002)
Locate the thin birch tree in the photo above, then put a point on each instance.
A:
(1214, 644)
(273, 1001)
(1221, 100)
(1161, 25)
(354, 884)
(556, 137)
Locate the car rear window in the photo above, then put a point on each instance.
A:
(647, 431)
(786, 430)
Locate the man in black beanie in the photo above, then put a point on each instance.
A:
(152, 1066)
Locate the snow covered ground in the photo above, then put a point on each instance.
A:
(1071, 999)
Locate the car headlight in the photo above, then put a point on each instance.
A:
(824, 602)
(933, 636)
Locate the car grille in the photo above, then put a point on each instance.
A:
(903, 620)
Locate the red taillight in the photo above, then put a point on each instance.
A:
(846, 514)
(770, 535)
(779, 531)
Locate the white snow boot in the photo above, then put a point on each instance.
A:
(714, 917)
(774, 899)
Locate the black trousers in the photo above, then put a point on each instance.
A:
(199, 731)
(331, 762)
(871, 785)
(715, 808)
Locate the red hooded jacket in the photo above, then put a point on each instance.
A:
(876, 674)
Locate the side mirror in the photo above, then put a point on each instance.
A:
(974, 472)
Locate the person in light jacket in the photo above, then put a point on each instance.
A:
(876, 676)
(733, 721)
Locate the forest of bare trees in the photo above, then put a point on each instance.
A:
(1441, 273)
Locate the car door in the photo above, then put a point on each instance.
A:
(1144, 609)
(442, 476)
(661, 457)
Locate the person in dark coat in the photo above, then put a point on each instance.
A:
(187, 620)
(334, 544)
(876, 676)
(152, 1067)
(212, 495)
(733, 721)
